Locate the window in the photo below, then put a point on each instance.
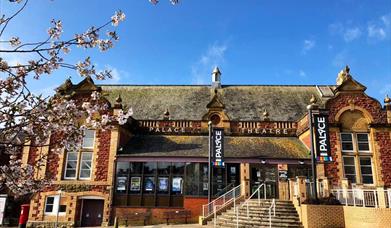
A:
(366, 170)
(53, 203)
(85, 165)
(88, 139)
(350, 169)
(82, 169)
(363, 142)
(356, 157)
(347, 142)
(71, 165)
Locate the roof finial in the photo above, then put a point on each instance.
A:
(265, 115)
(166, 115)
(387, 100)
(312, 104)
(118, 102)
(343, 75)
(216, 79)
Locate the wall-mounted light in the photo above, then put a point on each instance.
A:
(263, 161)
(301, 162)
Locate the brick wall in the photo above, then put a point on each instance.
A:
(383, 140)
(360, 100)
(103, 153)
(331, 169)
(322, 216)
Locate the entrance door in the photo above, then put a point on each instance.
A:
(267, 175)
(92, 212)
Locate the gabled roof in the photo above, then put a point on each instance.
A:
(241, 102)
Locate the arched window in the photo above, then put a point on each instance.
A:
(356, 148)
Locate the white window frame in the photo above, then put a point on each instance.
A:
(81, 164)
(354, 165)
(56, 206)
(369, 143)
(353, 144)
(372, 174)
(93, 139)
(66, 165)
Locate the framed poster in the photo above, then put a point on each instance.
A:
(121, 183)
(177, 184)
(149, 184)
(163, 184)
(135, 183)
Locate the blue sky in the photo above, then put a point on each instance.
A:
(252, 41)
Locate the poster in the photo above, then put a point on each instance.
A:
(177, 184)
(3, 200)
(233, 170)
(121, 183)
(163, 184)
(283, 175)
(205, 186)
(149, 184)
(135, 184)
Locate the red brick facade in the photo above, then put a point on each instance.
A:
(102, 161)
(384, 141)
(331, 169)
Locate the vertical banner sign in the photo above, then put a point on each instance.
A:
(322, 138)
(218, 147)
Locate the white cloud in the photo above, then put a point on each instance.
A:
(380, 28)
(308, 45)
(352, 34)
(347, 32)
(214, 56)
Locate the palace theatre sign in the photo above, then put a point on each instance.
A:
(237, 128)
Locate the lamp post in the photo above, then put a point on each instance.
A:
(58, 208)
(311, 107)
(209, 161)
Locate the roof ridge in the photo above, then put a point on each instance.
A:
(185, 85)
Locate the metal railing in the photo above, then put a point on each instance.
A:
(228, 187)
(387, 196)
(257, 191)
(223, 200)
(357, 197)
(272, 207)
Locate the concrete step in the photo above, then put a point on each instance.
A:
(259, 219)
(256, 216)
(265, 210)
(256, 224)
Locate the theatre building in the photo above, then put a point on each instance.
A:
(158, 161)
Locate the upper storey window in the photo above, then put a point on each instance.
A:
(355, 142)
(88, 139)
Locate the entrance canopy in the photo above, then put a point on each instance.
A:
(197, 146)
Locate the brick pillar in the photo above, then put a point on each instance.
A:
(388, 108)
(245, 179)
(302, 190)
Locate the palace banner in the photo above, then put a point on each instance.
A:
(322, 137)
(218, 147)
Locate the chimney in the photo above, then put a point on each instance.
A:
(216, 79)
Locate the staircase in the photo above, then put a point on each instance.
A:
(258, 215)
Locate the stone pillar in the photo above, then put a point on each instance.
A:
(381, 197)
(387, 106)
(302, 190)
(283, 187)
(292, 191)
(345, 187)
(245, 179)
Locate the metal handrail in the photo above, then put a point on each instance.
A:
(224, 189)
(248, 200)
(272, 206)
(221, 201)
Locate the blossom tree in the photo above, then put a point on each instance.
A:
(32, 119)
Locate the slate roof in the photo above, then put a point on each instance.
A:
(234, 147)
(242, 102)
